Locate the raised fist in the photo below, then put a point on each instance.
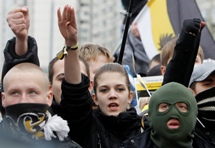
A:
(193, 26)
(19, 22)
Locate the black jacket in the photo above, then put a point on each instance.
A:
(143, 140)
(90, 128)
(205, 133)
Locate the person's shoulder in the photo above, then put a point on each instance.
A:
(200, 142)
(138, 141)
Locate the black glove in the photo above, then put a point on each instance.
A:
(192, 26)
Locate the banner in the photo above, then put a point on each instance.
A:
(163, 19)
(147, 85)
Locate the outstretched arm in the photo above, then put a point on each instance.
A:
(181, 65)
(76, 100)
(22, 48)
(19, 22)
(68, 29)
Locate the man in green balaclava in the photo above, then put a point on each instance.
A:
(172, 114)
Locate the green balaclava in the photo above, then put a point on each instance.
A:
(161, 135)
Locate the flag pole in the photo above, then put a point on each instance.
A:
(135, 20)
(128, 16)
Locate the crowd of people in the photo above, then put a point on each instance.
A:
(85, 99)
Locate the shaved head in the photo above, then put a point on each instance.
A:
(26, 83)
(23, 69)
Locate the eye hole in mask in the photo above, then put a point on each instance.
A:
(181, 106)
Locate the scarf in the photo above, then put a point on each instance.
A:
(206, 107)
(33, 121)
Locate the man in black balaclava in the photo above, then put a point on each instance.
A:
(202, 83)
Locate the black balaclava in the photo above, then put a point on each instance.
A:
(161, 135)
(206, 107)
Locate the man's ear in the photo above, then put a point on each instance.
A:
(49, 96)
(163, 69)
(94, 98)
(3, 99)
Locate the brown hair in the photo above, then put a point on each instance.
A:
(91, 51)
(156, 58)
(86, 66)
(111, 67)
(55, 59)
(50, 68)
(168, 50)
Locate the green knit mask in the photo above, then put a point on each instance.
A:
(172, 94)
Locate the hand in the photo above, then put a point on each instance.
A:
(143, 101)
(67, 25)
(193, 26)
(134, 30)
(19, 22)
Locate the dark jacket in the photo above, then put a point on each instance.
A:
(90, 128)
(55, 108)
(205, 133)
(143, 140)
(9, 140)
